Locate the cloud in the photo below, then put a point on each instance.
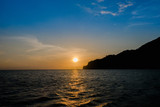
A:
(146, 17)
(100, 1)
(134, 13)
(123, 6)
(102, 7)
(157, 16)
(93, 3)
(87, 9)
(107, 12)
(98, 5)
(149, 9)
(21, 45)
(138, 17)
(138, 24)
(99, 8)
(36, 45)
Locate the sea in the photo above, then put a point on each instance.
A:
(83, 88)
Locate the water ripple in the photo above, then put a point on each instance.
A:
(72, 88)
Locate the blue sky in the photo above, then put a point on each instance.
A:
(87, 29)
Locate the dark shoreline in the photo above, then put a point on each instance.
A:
(145, 57)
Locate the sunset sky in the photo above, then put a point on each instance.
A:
(48, 34)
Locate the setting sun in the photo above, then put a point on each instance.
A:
(75, 59)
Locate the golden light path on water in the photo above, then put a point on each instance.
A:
(76, 93)
(75, 89)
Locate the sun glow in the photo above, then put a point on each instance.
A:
(75, 59)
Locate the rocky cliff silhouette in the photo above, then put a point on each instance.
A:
(145, 57)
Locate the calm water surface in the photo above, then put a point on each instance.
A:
(110, 88)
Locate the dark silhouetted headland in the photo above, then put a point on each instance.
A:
(145, 57)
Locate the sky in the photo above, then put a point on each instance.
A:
(48, 34)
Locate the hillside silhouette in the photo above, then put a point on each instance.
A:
(145, 57)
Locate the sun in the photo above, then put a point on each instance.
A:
(75, 60)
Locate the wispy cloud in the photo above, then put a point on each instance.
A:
(134, 12)
(148, 10)
(138, 24)
(87, 9)
(123, 6)
(107, 12)
(100, 1)
(138, 17)
(36, 45)
(99, 8)
(93, 3)
(146, 17)
(157, 16)
(103, 7)
(27, 45)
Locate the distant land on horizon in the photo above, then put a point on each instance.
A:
(145, 57)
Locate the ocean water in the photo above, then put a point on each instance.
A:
(51, 88)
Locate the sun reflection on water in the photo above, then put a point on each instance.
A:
(75, 92)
